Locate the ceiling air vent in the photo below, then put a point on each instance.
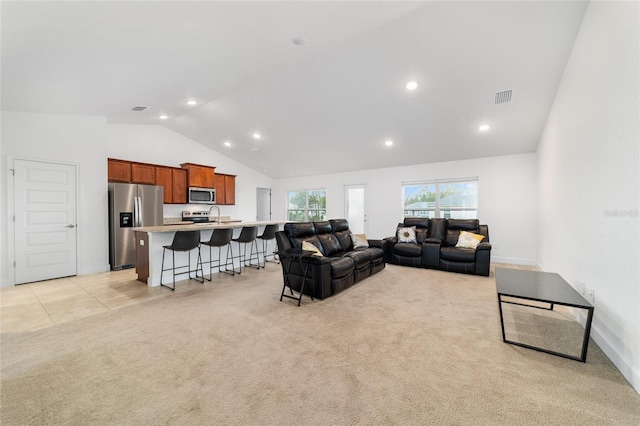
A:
(503, 97)
(138, 108)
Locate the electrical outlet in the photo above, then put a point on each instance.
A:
(591, 295)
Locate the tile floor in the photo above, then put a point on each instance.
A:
(33, 306)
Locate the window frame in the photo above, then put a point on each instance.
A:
(438, 209)
(320, 212)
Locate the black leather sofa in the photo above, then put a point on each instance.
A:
(341, 265)
(435, 246)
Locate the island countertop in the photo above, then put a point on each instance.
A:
(150, 242)
(190, 226)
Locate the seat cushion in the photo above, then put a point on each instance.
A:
(360, 258)
(375, 253)
(341, 266)
(407, 249)
(455, 254)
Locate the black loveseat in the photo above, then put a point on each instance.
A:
(340, 265)
(435, 246)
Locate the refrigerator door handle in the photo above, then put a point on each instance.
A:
(137, 211)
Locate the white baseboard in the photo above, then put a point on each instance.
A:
(514, 261)
(622, 364)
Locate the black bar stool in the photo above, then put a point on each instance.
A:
(268, 234)
(184, 241)
(247, 236)
(220, 238)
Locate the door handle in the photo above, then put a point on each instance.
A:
(70, 226)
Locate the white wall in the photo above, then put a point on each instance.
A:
(88, 141)
(64, 139)
(159, 145)
(506, 192)
(589, 178)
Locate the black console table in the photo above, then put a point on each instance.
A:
(288, 257)
(545, 287)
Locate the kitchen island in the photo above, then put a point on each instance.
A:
(150, 239)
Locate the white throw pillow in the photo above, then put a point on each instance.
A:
(469, 240)
(407, 235)
(359, 241)
(306, 245)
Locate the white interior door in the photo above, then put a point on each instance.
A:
(355, 206)
(45, 220)
(263, 204)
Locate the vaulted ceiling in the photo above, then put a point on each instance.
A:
(324, 83)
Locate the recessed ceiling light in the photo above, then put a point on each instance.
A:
(163, 117)
(227, 143)
(388, 142)
(484, 127)
(192, 102)
(412, 85)
(256, 135)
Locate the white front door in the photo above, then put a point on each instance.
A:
(355, 206)
(45, 220)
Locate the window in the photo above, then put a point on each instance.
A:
(305, 206)
(443, 199)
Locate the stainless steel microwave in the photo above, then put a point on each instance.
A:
(202, 195)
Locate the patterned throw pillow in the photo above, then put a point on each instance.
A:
(469, 240)
(407, 235)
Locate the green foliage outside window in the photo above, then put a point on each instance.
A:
(307, 206)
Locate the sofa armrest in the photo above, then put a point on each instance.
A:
(390, 240)
(431, 253)
(484, 246)
(376, 243)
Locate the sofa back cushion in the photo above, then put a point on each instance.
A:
(330, 244)
(338, 225)
(422, 225)
(345, 239)
(454, 226)
(301, 231)
(322, 227)
(418, 222)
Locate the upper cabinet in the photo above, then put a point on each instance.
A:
(143, 173)
(119, 170)
(179, 185)
(225, 189)
(174, 180)
(199, 176)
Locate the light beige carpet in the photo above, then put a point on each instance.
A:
(406, 346)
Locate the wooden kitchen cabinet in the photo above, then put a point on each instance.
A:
(164, 178)
(118, 170)
(179, 186)
(225, 186)
(174, 182)
(199, 176)
(229, 189)
(143, 173)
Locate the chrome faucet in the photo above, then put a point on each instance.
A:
(215, 207)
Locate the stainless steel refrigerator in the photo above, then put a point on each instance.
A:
(131, 205)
